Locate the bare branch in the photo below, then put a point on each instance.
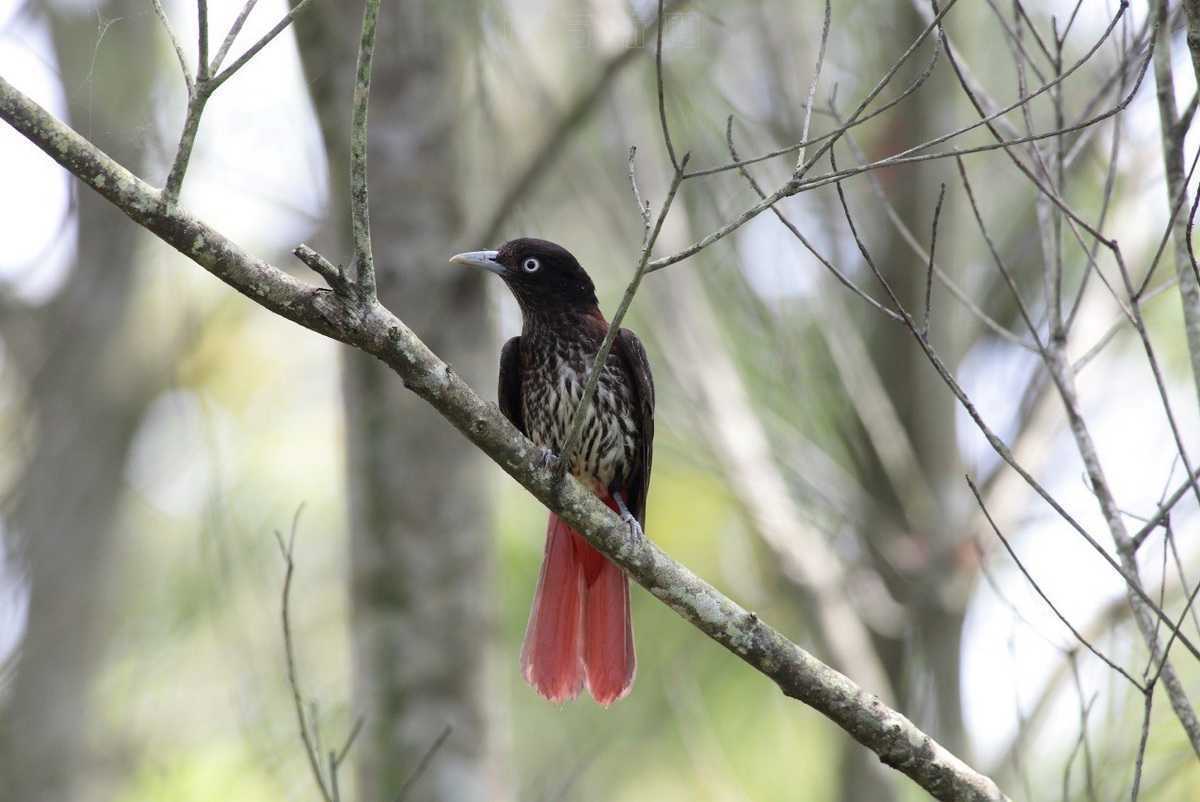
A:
(1116, 326)
(202, 16)
(252, 51)
(1141, 752)
(1033, 583)
(333, 274)
(658, 78)
(234, 30)
(812, 87)
(340, 757)
(176, 44)
(423, 763)
(841, 277)
(287, 550)
(796, 185)
(360, 210)
(937, 213)
(1059, 369)
(187, 140)
(907, 235)
(206, 83)
(859, 116)
(643, 207)
(614, 326)
(1172, 153)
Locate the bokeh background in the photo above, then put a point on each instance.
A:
(157, 428)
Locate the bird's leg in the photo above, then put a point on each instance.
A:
(635, 528)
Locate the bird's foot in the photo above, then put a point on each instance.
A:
(548, 459)
(636, 533)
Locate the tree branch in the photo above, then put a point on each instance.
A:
(176, 44)
(1172, 154)
(360, 212)
(287, 550)
(593, 379)
(367, 325)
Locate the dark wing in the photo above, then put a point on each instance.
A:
(637, 367)
(508, 394)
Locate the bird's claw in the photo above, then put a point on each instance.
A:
(548, 459)
(636, 533)
(635, 529)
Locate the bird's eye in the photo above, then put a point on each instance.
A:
(531, 265)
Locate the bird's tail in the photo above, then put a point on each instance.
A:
(580, 629)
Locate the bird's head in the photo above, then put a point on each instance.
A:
(543, 276)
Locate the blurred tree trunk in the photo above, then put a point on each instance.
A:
(914, 544)
(86, 401)
(422, 599)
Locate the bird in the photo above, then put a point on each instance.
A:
(580, 631)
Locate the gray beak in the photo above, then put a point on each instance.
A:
(481, 259)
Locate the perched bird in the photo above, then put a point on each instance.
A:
(580, 631)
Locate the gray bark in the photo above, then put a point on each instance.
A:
(1172, 136)
(422, 600)
(86, 403)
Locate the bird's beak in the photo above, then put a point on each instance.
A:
(482, 259)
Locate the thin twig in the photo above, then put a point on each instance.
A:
(360, 210)
(658, 78)
(937, 213)
(1110, 180)
(832, 268)
(1141, 752)
(1176, 184)
(287, 550)
(794, 186)
(991, 246)
(1115, 327)
(643, 207)
(334, 275)
(252, 51)
(907, 235)
(187, 141)
(205, 83)
(234, 30)
(997, 117)
(1085, 707)
(176, 44)
(202, 18)
(859, 115)
(350, 739)
(1179, 567)
(1163, 664)
(423, 764)
(614, 326)
(812, 86)
(335, 792)
(1038, 589)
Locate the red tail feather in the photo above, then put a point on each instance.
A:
(580, 625)
(551, 655)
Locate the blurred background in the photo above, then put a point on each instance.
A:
(156, 428)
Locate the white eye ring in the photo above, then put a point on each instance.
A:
(531, 265)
